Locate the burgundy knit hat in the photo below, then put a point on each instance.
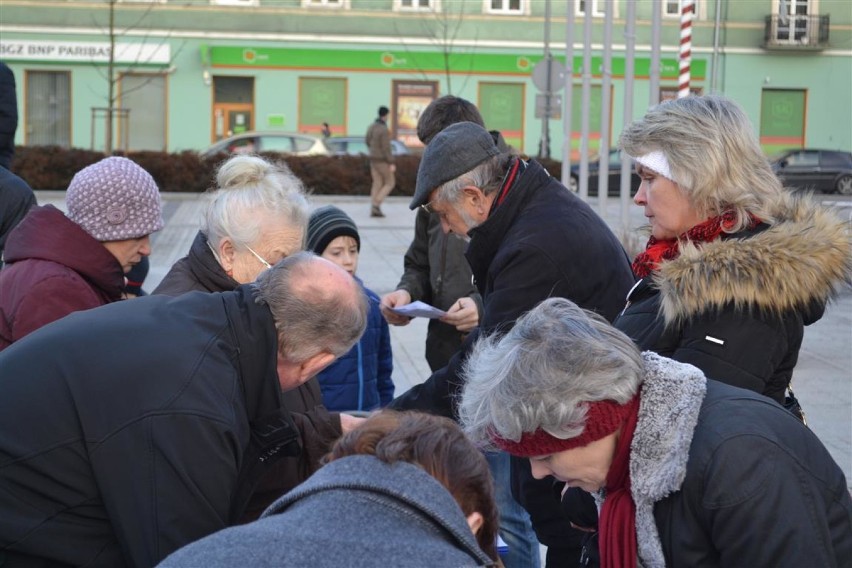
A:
(115, 199)
(602, 418)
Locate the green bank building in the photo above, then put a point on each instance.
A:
(181, 74)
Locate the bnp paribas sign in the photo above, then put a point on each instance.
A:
(84, 52)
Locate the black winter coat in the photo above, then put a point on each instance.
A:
(736, 307)
(117, 459)
(200, 271)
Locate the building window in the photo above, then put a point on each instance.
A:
(598, 8)
(234, 2)
(506, 6)
(417, 5)
(48, 115)
(325, 3)
(671, 8)
(144, 96)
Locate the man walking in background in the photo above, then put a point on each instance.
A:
(382, 167)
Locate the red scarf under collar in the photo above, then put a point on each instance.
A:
(659, 250)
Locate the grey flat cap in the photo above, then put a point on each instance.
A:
(454, 151)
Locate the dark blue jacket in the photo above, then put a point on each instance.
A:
(361, 379)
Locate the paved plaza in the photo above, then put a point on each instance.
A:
(822, 380)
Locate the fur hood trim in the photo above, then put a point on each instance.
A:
(671, 399)
(802, 258)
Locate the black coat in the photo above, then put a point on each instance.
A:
(16, 200)
(200, 271)
(130, 430)
(736, 307)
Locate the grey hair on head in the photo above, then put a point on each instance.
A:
(487, 176)
(540, 374)
(714, 155)
(310, 316)
(247, 187)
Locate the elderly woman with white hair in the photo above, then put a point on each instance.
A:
(687, 471)
(735, 266)
(256, 216)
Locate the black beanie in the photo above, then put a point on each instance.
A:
(326, 224)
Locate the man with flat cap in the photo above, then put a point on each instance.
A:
(112, 459)
(530, 239)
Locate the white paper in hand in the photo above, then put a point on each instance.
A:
(419, 309)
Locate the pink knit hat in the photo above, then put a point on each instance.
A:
(115, 199)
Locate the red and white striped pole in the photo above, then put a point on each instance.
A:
(687, 9)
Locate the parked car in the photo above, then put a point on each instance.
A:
(355, 145)
(271, 141)
(614, 187)
(824, 171)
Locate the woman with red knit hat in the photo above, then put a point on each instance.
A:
(687, 471)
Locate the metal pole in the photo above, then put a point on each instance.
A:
(584, 109)
(654, 75)
(606, 97)
(544, 150)
(569, 92)
(687, 8)
(629, 71)
(716, 33)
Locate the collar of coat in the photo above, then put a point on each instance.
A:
(206, 269)
(672, 394)
(800, 259)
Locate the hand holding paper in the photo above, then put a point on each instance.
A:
(419, 309)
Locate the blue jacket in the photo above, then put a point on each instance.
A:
(361, 379)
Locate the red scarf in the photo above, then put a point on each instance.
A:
(617, 526)
(659, 250)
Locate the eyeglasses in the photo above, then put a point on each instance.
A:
(260, 258)
(429, 207)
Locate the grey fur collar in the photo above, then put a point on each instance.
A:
(803, 257)
(671, 399)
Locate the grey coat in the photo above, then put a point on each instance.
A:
(355, 511)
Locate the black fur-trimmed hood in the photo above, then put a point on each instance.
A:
(800, 260)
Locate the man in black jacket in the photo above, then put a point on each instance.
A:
(530, 239)
(109, 458)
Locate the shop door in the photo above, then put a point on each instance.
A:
(233, 106)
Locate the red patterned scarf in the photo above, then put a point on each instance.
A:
(659, 250)
(617, 538)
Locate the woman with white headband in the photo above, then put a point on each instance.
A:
(736, 266)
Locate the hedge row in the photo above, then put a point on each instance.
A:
(52, 167)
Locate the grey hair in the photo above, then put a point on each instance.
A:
(247, 185)
(714, 156)
(557, 357)
(310, 316)
(487, 176)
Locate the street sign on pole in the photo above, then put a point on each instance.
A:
(541, 110)
(557, 76)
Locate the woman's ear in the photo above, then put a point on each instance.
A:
(226, 253)
(475, 521)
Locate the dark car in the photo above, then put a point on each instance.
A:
(614, 176)
(824, 171)
(355, 145)
(294, 143)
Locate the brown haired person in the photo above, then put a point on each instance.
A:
(401, 490)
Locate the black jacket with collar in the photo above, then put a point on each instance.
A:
(130, 430)
(736, 307)
(541, 242)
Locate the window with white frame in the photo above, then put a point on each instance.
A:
(325, 3)
(671, 8)
(598, 8)
(235, 2)
(417, 5)
(506, 6)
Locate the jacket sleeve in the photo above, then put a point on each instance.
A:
(163, 490)
(386, 145)
(739, 348)
(49, 300)
(384, 380)
(415, 278)
(752, 487)
(523, 279)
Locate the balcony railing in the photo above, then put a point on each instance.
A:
(796, 32)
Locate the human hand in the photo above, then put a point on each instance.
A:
(394, 300)
(349, 422)
(464, 315)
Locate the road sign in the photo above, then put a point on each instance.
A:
(557, 75)
(555, 106)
